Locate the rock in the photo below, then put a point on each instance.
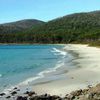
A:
(46, 95)
(70, 97)
(96, 97)
(92, 93)
(13, 93)
(34, 98)
(55, 97)
(98, 85)
(43, 97)
(95, 90)
(31, 93)
(27, 92)
(89, 86)
(15, 88)
(76, 93)
(82, 97)
(2, 94)
(21, 98)
(85, 91)
(18, 90)
(8, 97)
(90, 96)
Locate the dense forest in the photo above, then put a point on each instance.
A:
(19, 26)
(74, 28)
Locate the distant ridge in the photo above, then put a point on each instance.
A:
(19, 25)
(74, 28)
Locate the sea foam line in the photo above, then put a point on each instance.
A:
(59, 52)
(0, 75)
(41, 74)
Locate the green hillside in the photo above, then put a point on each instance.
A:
(19, 26)
(74, 28)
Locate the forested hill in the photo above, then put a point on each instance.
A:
(78, 27)
(19, 26)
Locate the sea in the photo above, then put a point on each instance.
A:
(25, 64)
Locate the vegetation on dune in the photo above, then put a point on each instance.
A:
(75, 28)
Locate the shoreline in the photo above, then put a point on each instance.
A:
(30, 44)
(86, 75)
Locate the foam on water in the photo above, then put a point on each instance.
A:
(32, 79)
(59, 52)
(0, 75)
(43, 74)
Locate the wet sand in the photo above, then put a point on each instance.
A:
(88, 72)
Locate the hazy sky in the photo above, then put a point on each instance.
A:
(12, 10)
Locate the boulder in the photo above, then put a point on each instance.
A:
(8, 97)
(76, 93)
(13, 93)
(21, 98)
(2, 94)
(31, 93)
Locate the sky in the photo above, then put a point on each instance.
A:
(45, 10)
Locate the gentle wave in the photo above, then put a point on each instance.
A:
(42, 74)
(0, 75)
(49, 70)
(32, 79)
(59, 52)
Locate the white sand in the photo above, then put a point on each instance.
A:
(89, 74)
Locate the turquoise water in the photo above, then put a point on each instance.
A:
(20, 62)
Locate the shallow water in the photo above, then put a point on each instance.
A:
(21, 64)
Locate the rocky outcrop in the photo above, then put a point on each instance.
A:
(91, 93)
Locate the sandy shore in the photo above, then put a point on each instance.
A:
(85, 74)
(88, 72)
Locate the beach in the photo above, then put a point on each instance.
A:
(84, 71)
(87, 73)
